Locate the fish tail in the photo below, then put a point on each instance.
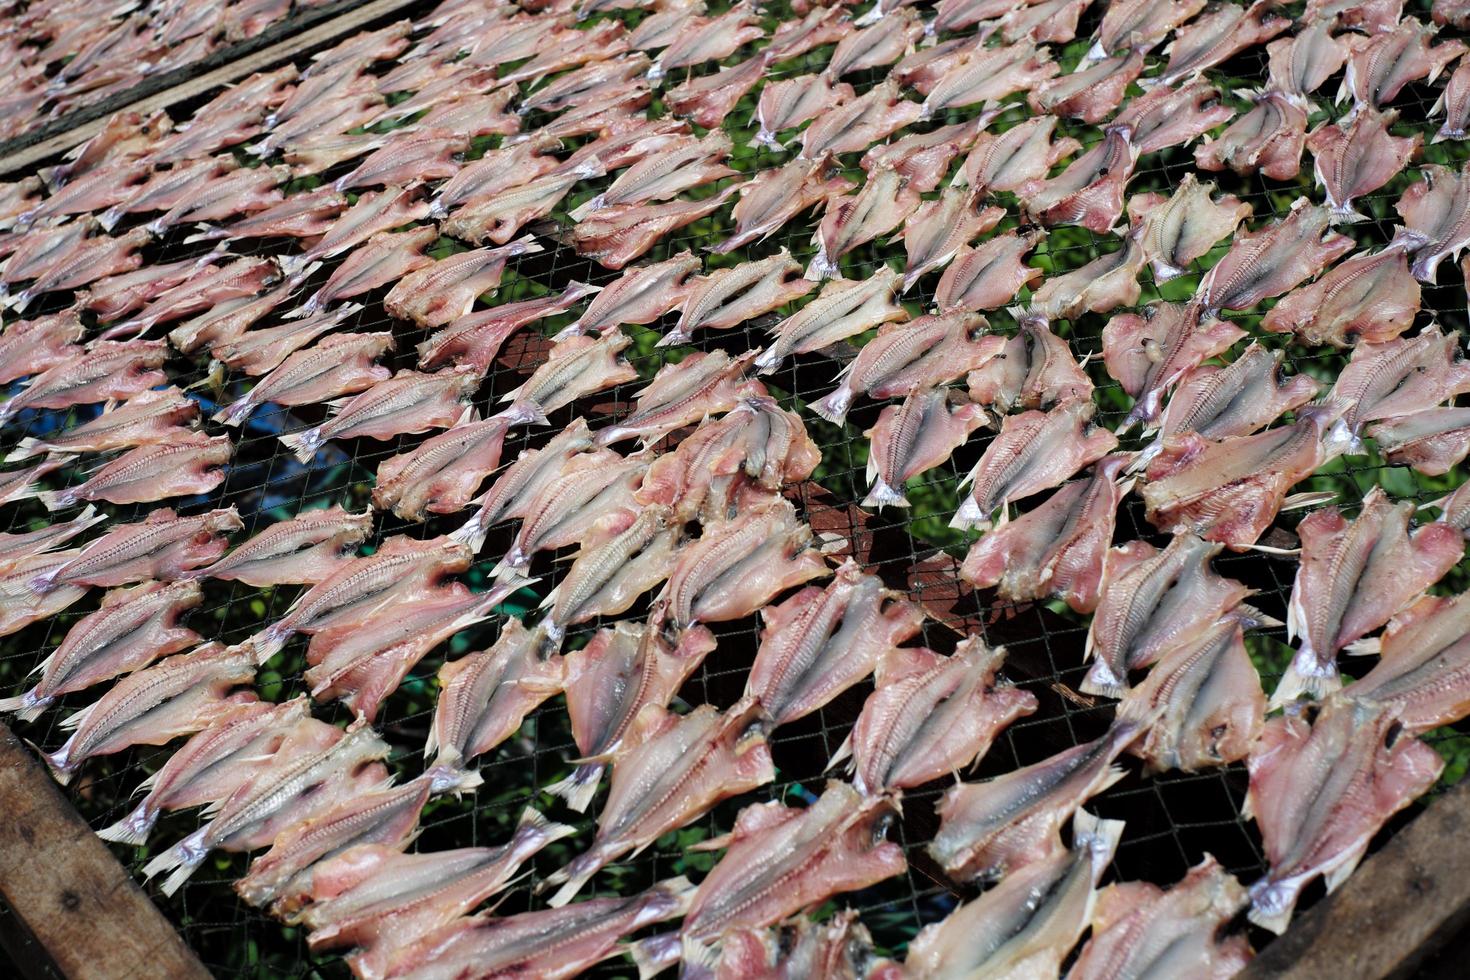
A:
(304, 444)
(656, 953)
(1272, 903)
(1099, 836)
(21, 300)
(883, 495)
(61, 764)
(674, 338)
(471, 534)
(1102, 682)
(181, 861)
(132, 829)
(834, 406)
(535, 831)
(579, 788)
(1305, 676)
(26, 707)
(234, 413)
(575, 875)
(452, 779)
(269, 642)
(109, 218)
(969, 515)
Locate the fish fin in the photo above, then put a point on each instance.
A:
(1367, 646)
(1251, 618)
(656, 953)
(74, 720)
(699, 960)
(1296, 682)
(303, 444)
(132, 829)
(1101, 682)
(1099, 836)
(580, 787)
(1297, 501)
(572, 877)
(882, 495)
(844, 751)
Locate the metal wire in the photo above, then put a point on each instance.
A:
(1173, 820)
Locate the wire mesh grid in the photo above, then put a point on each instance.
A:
(1172, 820)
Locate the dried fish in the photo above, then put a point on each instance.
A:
(151, 417)
(373, 212)
(16, 548)
(1432, 441)
(1035, 369)
(1183, 227)
(990, 74)
(1380, 65)
(385, 257)
(163, 546)
(999, 828)
(1273, 260)
(682, 393)
(475, 339)
(773, 197)
(1150, 353)
(1092, 92)
(1368, 298)
(133, 628)
(441, 474)
(822, 641)
(912, 438)
(1454, 102)
(1436, 213)
(1044, 20)
(418, 154)
(930, 716)
(406, 403)
(989, 275)
(445, 291)
(575, 367)
(643, 294)
(702, 39)
(261, 351)
(924, 158)
(108, 371)
(684, 164)
(1139, 25)
(708, 99)
(1243, 397)
(32, 346)
(1321, 792)
(22, 603)
(1034, 451)
(300, 551)
(342, 364)
(1420, 672)
(584, 506)
(1165, 116)
(1090, 191)
(935, 232)
(856, 125)
(608, 577)
(882, 204)
(617, 235)
(843, 309)
(1397, 377)
(1358, 158)
(206, 288)
(512, 493)
(787, 104)
(1058, 549)
(190, 464)
(874, 47)
(1301, 64)
(729, 297)
(1220, 33)
(494, 173)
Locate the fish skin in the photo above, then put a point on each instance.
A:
(708, 99)
(445, 291)
(726, 298)
(1139, 928)
(1034, 451)
(498, 170)
(1273, 259)
(407, 403)
(190, 464)
(442, 473)
(989, 275)
(608, 577)
(773, 197)
(520, 482)
(360, 585)
(1420, 673)
(1219, 34)
(669, 771)
(1353, 577)
(260, 351)
(843, 309)
(551, 943)
(611, 680)
(1301, 64)
(684, 164)
(373, 212)
(420, 154)
(302, 550)
(107, 371)
(1205, 700)
(1139, 25)
(484, 697)
(984, 75)
(1034, 369)
(1436, 213)
(913, 437)
(1178, 229)
(281, 878)
(1320, 793)
(767, 551)
(211, 765)
(881, 205)
(615, 236)
(148, 418)
(1358, 158)
(1238, 399)
(574, 368)
(1269, 138)
(822, 641)
(1454, 102)
(1149, 353)
(1025, 925)
(1000, 827)
(163, 546)
(780, 860)
(928, 352)
(1380, 65)
(931, 715)
(385, 257)
(1397, 377)
(583, 506)
(1230, 491)
(1090, 191)
(177, 696)
(1153, 602)
(298, 787)
(1173, 116)
(732, 464)
(1432, 441)
(881, 44)
(642, 295)
(476, 339)
(361, 662)
(133, 628)
(856, 125)
(788, 103)
(1369, 298)
(340, 364)
(1092, 92)
(32, 346)
(935, 231)
(17, 485)
(682, 393)
(1058, 549)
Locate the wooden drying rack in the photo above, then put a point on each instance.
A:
(68, 896)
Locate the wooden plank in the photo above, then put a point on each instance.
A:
(1402, 905)
(313, 37)
(68, 890)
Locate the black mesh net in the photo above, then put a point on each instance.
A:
(1172, 820)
